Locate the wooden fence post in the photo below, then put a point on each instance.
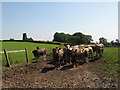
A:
(26, 53)
(7, 59)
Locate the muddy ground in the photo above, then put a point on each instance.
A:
(42, 74)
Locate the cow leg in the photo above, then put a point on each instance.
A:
(79, 60)
(60, 62)
(92, 57)
(56, 67)
(44, 57)
(97, 54)
(68, 60)
(74, 65)
(73, 62)
(64, 60)
(57, 63)
(87, 60)
(53, 61)
(89, 57)
(100, 53)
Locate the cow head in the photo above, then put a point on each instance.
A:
(73, 52)
(56, 50)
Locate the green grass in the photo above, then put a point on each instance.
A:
(108, 64)
(111, 59)
(19, 57)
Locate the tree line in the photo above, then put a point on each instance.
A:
(75, 39)
(24, 38)
(80, 38)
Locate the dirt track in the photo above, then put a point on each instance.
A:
(43, 75)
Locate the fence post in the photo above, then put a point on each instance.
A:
(26, 53)
(6, 56)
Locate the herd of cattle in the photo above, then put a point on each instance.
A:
(72, 54)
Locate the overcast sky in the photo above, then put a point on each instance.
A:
(40, 20)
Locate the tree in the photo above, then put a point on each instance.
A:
(83, 39)
(24, 37)
(87, 39)
(79, 34)
(117, 41)
(60, 37)
(29, 39)
(63, 37)
(112, 43)
(76, 38)
(11, 39)
(103, 40)
(56, 37)
(73, 40)
(96, 42)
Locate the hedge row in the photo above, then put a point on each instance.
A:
(46, 42)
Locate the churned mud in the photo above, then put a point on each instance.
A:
(42, 74)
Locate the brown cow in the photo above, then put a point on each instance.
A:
(76, 54)
(79, 53)
(98, 48)
(58, 56)
(88, 53)
(68, 53)
(39, 52)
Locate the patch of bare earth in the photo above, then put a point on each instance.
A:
(44, 75)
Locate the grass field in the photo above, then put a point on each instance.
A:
(109, 63)
(106, 65)
(111, 58)
(19, 57)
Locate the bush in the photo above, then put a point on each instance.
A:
(11, 39)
